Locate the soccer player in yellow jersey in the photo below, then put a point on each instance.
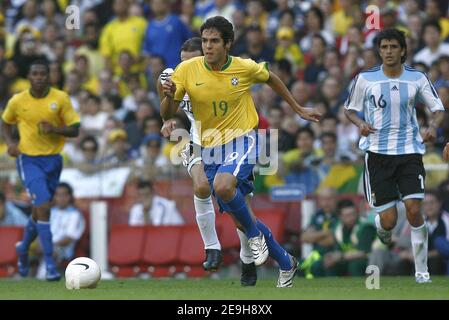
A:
(44, 116)
(219, 89)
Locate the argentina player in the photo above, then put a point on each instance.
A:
(387, 95)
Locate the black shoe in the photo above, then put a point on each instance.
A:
(249, 274)
(213, 260)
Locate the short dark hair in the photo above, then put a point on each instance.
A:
(307, 130)
(319, 14)
(331, 135)
(431, 23)
(40, 62)
(393, 34)
(68, 188)
(143, 184)
(284, 65)
(343, 204)
(192, 45)
(222, 25)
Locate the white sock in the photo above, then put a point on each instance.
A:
(205, 218)
(245, 252)
(419, 244)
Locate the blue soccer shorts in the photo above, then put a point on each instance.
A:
(238, 157)
(40, 176)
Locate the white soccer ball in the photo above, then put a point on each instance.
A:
(82, 273)
(166, 74)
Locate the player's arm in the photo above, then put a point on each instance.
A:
(430, 134)
(71, 131)
(8, 136)
(354, 104)
(169, 106)
(279, 87)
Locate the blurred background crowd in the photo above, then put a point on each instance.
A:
(109, 67)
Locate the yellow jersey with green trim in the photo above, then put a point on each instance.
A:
(221, 100)
(27, 112)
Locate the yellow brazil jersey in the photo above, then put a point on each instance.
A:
(27, 112)
(122, 35)
(221, 100)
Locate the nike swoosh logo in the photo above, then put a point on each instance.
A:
(82, 264)
(199, 84)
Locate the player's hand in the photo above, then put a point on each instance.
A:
(309, 114)
(169, 88)
(45, 127)
(446, 152)
(168, 127)
(13, 150)
(365, 129)
(430, 135)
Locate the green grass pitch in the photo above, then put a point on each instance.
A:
(207, 289)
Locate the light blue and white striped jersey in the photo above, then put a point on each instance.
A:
(389, 106)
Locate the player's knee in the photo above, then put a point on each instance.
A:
(202, 189)
(388, 223)
(224, 190)
(42, 211)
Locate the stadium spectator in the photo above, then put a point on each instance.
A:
(315, 67)
(434, 48)
(119, 153)
(90, 49)
(318, 232)
(435, 9)
(67, 225)
(353, 238)
(297, 163)
(31, 18)
(152, 163)
(224, 8)
(151, 209)
(255, 45)
(257, 16)
(27, 50)
(438, 222)
(342, 18)
(315, 25)
(51, 13)
(165, 34)
(122, 33)
(288, 8)
(92, 118)
(11, 215)
(288, 49)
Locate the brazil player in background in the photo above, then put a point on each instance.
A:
(387, 95)
(204, 207)
(44, 116)
(219, 89)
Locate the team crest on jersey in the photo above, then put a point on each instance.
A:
(234, 81)
(53, 106)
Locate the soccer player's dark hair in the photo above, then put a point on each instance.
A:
(68, 188)
(192, 45)
(40, 62)
(222, 25)
(307, 130)
(393, 34)
(143, 184)
(343, 204)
